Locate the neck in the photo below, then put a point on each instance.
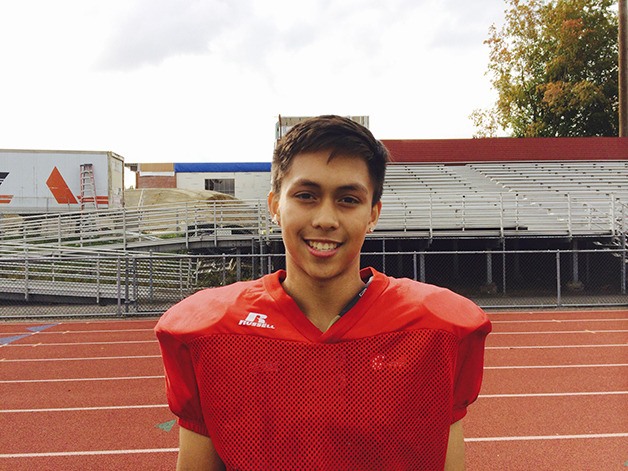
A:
(322, 301)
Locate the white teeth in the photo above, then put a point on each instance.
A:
(323, 246)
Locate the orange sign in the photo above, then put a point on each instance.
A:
(59, 188)
(4, 199)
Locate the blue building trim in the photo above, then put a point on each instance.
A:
(216, 167)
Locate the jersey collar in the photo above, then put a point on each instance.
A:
(289, 308)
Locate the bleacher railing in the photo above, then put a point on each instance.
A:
(501, 214)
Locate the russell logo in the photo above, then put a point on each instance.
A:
(255, 319)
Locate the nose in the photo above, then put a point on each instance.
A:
(326, 216)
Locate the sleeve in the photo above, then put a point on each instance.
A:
(181, 385)
(469, 369)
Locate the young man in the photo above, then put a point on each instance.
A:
(323, 366)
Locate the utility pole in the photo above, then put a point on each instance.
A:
(623, 69)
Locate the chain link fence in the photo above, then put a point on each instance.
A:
(518, 279)
(147, 285)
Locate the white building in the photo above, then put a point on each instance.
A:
(244, 180)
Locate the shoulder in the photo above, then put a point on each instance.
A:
(206, 308)
(426, 305)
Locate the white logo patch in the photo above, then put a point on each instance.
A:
(255, 319)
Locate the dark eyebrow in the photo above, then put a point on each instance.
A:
(354, 187)
(306, 182)
(350, 187)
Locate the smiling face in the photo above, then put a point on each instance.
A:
(325, 210)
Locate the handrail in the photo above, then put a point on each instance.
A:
(98, 277)
(116, 231)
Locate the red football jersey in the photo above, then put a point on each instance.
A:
(377, 391)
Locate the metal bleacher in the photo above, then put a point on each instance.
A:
(488, 199)
(107, 255)
(508, 198)
(93, 254)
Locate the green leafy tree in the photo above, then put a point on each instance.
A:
(554, 66)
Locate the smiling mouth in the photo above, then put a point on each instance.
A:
(323, 246)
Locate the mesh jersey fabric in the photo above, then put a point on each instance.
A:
(377, 391)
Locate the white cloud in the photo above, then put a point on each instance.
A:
(182, 80)
(157, 29)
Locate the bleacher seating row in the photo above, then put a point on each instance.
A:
(538, 197)
(507, 199)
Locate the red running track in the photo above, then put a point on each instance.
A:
(90, 395)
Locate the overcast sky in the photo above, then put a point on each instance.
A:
(204, 80)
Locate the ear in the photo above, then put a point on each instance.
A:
(273, 205)
(375, 212)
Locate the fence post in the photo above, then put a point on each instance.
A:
(187, 225)
(422, 267)
(26, 295)
(414, 267)
(574, 262)
(569, 214)
(558, 294)
(180, 277)
(215, 225)
(134, 266)
(98, 278)
(489, 266)
(430, 213)
(224, 269)
(150, 275)
(119, 286)
(126, 285)
(501, 215)
(614, 225)
(189, 276)
(124, 242)
(623, 261)
(383, 255)
(503, 266)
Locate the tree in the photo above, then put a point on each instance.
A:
(554, 66)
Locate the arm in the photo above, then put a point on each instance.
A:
(455, 448)
(197, 453)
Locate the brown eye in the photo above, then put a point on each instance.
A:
(349, 200)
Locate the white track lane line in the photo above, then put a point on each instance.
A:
(66, 380)
(175, 450)
(19, 360)
(87, 453)
(548, 437)
(521, 347)
(128, 378)
(560, 394)
(68, 344)
(163, 406)
(82, 409)
(67, 332)
(104, 331)
(514, 347)
(534, 367)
